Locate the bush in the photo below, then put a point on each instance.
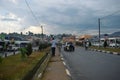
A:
(26, 51)
(43, 45)
(29, 49)
(23, 52)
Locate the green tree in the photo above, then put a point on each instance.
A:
(2, 37)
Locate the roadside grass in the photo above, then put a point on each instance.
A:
(14, 68)
(106, 49)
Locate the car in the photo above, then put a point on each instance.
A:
(69, 47)
(114, 45)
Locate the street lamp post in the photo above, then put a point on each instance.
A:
(42, 32)
(99, 30)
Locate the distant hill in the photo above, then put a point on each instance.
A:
(115, 34)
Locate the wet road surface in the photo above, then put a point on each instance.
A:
(91, 65)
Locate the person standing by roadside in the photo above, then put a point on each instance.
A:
(53, 46)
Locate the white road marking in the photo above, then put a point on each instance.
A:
(64, 63)
(68, 73)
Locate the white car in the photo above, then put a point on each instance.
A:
(114, 45)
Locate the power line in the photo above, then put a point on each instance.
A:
(34, 16)
(110, 14)
(99, 23)
(31, 11)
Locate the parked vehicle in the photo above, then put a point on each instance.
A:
(114, 42)
(19, 44)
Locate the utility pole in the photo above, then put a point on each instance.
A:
(9, 29)
(99, 30)
(42, 32)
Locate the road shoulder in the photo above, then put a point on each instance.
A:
(55, 69)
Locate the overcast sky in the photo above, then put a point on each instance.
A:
(60, 16)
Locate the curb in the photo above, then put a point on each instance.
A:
(115, 53)
(30, 75)
(66, 68)
(41, 70)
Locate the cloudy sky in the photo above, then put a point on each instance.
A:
(59, 16)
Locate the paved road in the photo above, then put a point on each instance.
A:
(8, 53)
(90, 65)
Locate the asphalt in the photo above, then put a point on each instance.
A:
(56, 70)
(92, 65)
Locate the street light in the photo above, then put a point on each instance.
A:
(99, 30)
(42, 32)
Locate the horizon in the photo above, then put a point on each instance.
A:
(59, 34)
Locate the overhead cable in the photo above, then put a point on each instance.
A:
(111, 14)
(31, 11)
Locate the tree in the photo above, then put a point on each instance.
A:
(21, 33)
(2, 37)
(105, 44)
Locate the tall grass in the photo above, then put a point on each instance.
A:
(13, 68)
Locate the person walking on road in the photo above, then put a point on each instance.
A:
(53, 46)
